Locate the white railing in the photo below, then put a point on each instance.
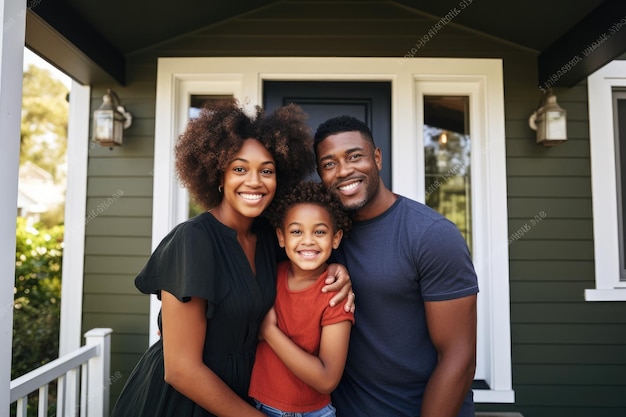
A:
(82, 379)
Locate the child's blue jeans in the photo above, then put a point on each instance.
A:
(328, 411)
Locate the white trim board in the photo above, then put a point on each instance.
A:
(600, 86)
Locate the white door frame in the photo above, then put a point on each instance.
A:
(479, 79)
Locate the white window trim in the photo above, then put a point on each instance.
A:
(480, 79)
(600, 86)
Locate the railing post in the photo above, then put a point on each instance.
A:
(99, 373)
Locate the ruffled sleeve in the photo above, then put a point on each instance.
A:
(183, 264)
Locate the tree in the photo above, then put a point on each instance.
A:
(45, 112)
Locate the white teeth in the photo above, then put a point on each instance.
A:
(350, 186)
(251, 196)
(308, 253)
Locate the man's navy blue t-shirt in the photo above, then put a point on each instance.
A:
(398, 260)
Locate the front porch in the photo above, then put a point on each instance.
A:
(82, 380)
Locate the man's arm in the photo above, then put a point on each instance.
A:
(452, 328)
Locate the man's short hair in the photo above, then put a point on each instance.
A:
(342, 124)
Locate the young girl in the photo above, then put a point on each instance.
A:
(304, 344)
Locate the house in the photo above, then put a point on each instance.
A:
(545, 223)
(37, 192)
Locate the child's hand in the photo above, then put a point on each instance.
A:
(269, 321)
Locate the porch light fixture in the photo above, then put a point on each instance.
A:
(550, 122)
(110, 120)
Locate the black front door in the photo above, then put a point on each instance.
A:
(322, 100)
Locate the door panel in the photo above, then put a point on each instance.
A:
(321, 100)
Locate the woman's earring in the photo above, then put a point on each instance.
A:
(220, 188)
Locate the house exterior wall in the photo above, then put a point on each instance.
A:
(567, 354)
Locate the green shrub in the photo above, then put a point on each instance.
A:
(36, 311)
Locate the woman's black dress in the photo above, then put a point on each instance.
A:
(202, 258)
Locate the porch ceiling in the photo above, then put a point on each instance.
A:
(558, 30)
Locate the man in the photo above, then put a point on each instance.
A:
(413, 346)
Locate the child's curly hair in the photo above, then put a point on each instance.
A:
(210, 142)
(310, 192)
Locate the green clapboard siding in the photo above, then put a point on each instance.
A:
(567, 313)
(109, 284)
(555, 208)
(121, 322)
(568, 355)
(552, 270)
(565, 375)
(120, 226)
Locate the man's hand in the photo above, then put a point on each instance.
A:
(338, 280)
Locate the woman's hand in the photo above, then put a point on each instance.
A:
(338, 280)
(269, 321)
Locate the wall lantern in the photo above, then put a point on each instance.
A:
(110, 120)
(550, 122)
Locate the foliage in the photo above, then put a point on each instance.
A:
(54, 216)
(45, 111)
(36, 312)
(194, 208)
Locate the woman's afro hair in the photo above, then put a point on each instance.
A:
(210, 142)
(310, 192)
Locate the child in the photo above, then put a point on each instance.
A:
(304, 342)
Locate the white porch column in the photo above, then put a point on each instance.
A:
(13, 25)
(78, 146)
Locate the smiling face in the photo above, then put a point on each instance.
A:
(308, 236)
(349, 166)
(249, 181)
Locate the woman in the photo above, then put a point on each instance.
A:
(215, 273)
